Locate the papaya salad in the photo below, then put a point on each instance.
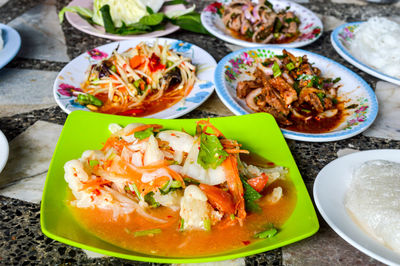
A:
(140, 81)
(162, 191)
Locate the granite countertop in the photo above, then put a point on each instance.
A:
(32, 121)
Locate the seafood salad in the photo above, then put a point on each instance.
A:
(140, 81)
(294, 92)
(176, 182)
(260, 22)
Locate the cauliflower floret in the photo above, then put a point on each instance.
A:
(195, 211)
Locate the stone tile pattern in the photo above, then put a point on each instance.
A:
(20, 237)
(42, 37)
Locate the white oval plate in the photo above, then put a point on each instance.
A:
(3, 151)
(330, 188)
(73, 74)
(310, 28)
(231, 69)
(76, 21)
(341, 39)
(12, 43)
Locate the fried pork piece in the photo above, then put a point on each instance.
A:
(286, 91)
(245, 87)
(309, 95)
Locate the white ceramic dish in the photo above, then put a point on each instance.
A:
(73, 74)
(3, 151)
(341, 39)
(12, 44)
(330, 187)
(232, 68)
(82, 25)
(310, 28)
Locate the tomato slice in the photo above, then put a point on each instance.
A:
(259, 182)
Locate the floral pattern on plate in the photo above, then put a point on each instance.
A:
(358, 95)
(310, 28)
(67, 85)
(341, 39)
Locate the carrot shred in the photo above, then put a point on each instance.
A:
(207, 124)
(96, 182)
(236, 151)
(176, 176)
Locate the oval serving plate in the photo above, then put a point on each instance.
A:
(82, 25)
(310, 28)
(12, 43)
(341, 39)
(330, 188)
(73, 74)
(354, 90)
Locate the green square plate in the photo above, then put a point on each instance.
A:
(87, 130)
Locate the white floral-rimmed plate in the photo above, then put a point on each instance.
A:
(3, 151)
(11, 44)
(355, 91)
(330, 188)
(341, 39)
(310, 28)
(82, 25)
(73, 74)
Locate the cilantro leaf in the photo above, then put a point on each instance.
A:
(211, 152)
(150, 200)
(144, 133)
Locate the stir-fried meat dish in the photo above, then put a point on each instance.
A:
(259, 22)
(293, 91)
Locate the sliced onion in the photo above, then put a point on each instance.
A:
(256, 15)
(328, 113)
(288, 78)
(250, 99)
(267, 70)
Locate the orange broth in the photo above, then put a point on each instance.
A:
(172, 242)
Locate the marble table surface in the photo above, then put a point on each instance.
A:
(32, 122)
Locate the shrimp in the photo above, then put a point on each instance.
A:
(235, 186)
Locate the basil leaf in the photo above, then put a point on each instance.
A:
(249, 192)
(144, 133)
(175, 2)
(84, 12)
(211, 152)
(149, 10)
(107, 20)
(152, 20)
(190, 22)
(250, 195)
